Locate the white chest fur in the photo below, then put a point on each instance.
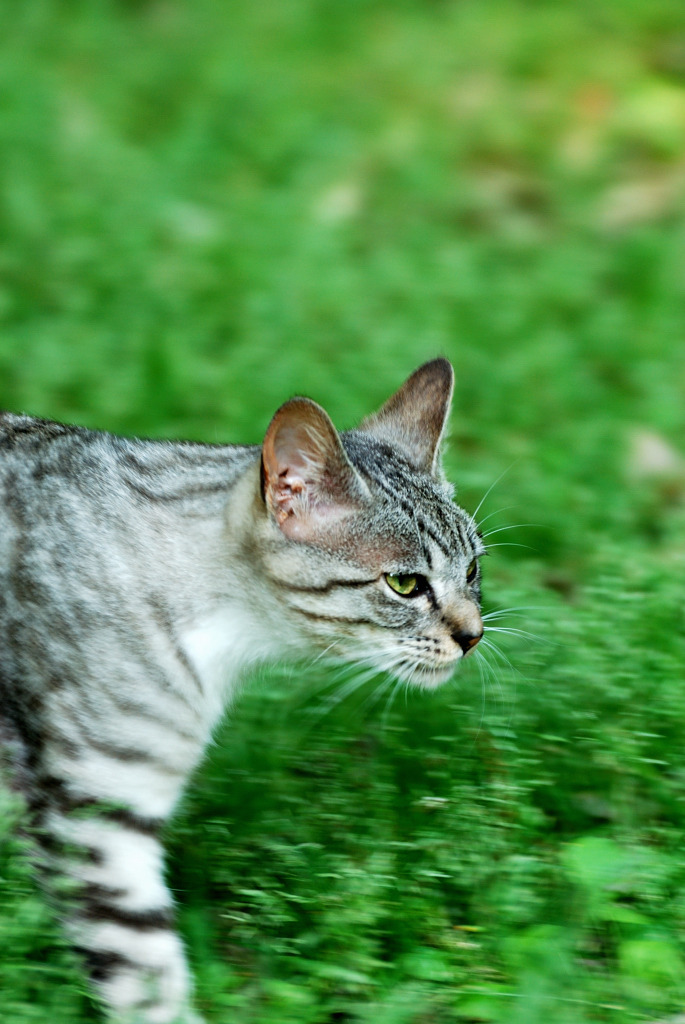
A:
(221, 647)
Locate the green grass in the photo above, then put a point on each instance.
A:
(208, 207)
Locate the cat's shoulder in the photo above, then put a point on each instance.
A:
(19, 431)
(38, 454)
(32, 436)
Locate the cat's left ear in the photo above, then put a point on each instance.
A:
(309, 483)
(414, 418)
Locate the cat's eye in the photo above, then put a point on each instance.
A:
(472, 571)
(406, 584)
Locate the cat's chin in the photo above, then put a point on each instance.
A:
(427, 677)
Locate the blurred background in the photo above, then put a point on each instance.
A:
(206, 208)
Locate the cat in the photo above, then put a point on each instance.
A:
(139, 579)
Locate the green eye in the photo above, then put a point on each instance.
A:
(472, 571)
(403, 584)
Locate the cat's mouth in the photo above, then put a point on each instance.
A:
(423, 674)
(427, 677)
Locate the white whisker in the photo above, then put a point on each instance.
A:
(507, 508)
(377, 693)
(513, 631)
(323, 653)
(491, 645)
(508, 544)
(495, 678)
(497, 613)
(492, 485)
(389, 703)
(514, 526)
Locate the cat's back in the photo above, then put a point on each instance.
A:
(50, 475)
(57, 484)
(49, 469)
(81, 506)
(36, 452)
(89, 527)
(28, 437)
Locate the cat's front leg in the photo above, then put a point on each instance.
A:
(122, 917)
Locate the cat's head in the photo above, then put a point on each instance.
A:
(367, 552)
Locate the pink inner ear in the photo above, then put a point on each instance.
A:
(288, 494)
(308, 481)
(290, 449)
(293, 489)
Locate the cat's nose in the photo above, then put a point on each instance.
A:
(465, 624)
(467, 641)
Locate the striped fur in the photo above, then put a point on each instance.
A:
(138, 580)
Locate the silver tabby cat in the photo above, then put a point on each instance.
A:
(138, 579)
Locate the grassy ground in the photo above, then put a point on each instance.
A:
(208, 207)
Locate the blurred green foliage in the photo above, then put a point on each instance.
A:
(206, 208)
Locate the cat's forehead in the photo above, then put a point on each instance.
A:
(415, 511)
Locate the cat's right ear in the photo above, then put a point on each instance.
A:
(414, 418)
(308, 482)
